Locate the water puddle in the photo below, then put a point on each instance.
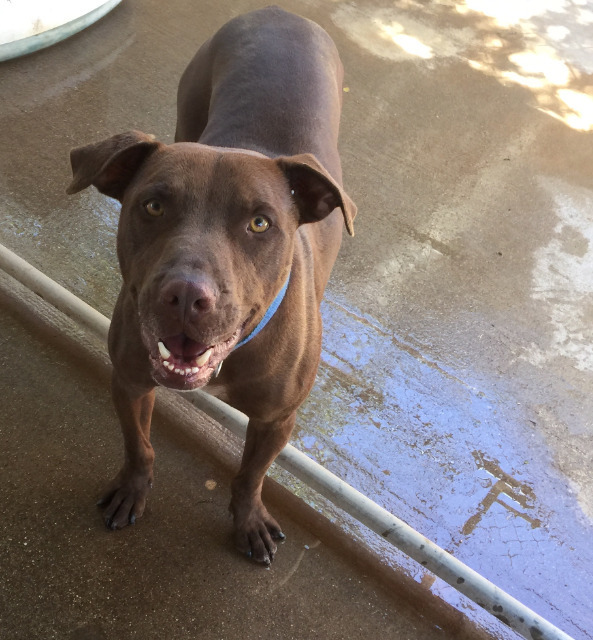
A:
(77, 251)
(456, 458)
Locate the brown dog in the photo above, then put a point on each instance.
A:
(226, 241)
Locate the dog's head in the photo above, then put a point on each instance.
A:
(205, 239)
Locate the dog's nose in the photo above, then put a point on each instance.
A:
(189, 297)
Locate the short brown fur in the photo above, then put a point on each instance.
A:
(256, 144)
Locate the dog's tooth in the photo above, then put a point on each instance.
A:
(179, 372)
(195, 369)
(203, 359)
(169, 366)
(165, 353)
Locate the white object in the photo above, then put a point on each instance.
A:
(29, 25)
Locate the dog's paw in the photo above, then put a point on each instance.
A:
(255, 533)
(125, 498)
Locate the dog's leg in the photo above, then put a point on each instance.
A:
(254, 528)
(126, 495)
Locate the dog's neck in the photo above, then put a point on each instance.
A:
(267, 315)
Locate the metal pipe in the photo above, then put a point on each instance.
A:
(467, 581)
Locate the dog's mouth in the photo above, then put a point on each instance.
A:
(184, 363)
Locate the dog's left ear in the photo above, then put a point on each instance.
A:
(315, 192)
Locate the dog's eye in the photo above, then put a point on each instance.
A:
(154, 208)
(259, 224)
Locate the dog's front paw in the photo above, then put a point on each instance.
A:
(125, 498)
(255, 532)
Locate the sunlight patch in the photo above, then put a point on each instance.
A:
(543, 62)
(396, 36)
(510, 12)
(408, 43)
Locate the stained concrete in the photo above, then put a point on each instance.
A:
(175, 575)
(456, 376)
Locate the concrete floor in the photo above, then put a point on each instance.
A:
(65, 576)
(456, 379)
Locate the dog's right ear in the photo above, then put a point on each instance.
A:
(111, 164)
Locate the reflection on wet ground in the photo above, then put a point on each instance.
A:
(456, 458)
(83, 248)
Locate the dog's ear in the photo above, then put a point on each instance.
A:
(316, 193)
(110, 164)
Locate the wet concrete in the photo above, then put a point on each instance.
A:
(455, 386)
(175, 575)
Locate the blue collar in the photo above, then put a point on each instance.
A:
(268, 315)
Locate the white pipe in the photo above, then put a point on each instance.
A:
(53, 293)
(483, 592)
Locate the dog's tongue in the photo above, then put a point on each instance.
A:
(183, 347)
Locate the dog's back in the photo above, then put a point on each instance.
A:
(278, 88)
